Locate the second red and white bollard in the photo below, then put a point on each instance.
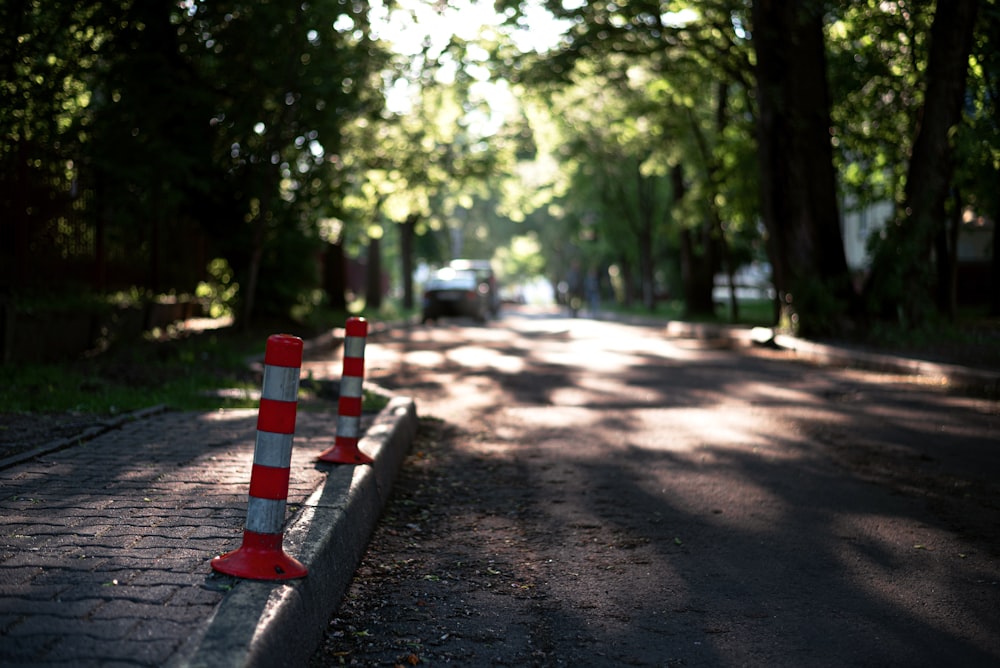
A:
(345, 449)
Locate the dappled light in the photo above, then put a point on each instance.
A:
(760, 498)
(521, 193)
(477, 357)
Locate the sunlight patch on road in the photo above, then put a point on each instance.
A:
(424, 358)
(565, 416)
(691, 427)
(767, 393)
(476, 357)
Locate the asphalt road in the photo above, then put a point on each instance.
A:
(598, 494)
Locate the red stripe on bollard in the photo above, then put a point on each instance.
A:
(345, 449)
(261, 557)
(267, 482)
(349, 406)
(283, 350)
(354, 366)
(277, 417)
(356, 327)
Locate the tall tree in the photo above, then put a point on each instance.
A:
(149, 152)
(126, 125)
(287, 81)
(679, 51)
(47, 57)
(798, 188)
(902, 285)
(613, 151)
(978, 164)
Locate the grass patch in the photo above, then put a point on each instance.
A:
(183, 373)
(184, 370)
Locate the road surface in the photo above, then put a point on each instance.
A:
(592, 493)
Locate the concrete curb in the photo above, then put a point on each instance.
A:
(952, 375)
(280, 624)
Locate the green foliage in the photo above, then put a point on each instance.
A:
(183, 374)
(167, 133)
(520, 261)
(148, 129)
(220, 290)
(977, 140)
(876, 53)
(641, 93)
(206, 371)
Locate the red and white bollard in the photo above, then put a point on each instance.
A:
(345, 449)
(261, 556)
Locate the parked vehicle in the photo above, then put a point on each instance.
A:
(453, 293)
(484, 272)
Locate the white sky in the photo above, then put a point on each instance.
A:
(407, 26)
(415, 22)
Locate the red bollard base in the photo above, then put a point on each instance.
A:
(260, 558)
(345, 453)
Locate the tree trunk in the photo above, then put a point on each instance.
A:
(100, 280)
(995, 267)
(246, 313)
(646, 276)
(716, 247)
(734, 302)
(797, 180)
(16, 228)
(628, 282)
(901, 278)
(334, 275)
(644, 198)
(697, 274)
(406, 233)
(248, 290)
(698, 255)
(373, 289)
(155, 272)
(946, 252)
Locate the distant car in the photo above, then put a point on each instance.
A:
(484, 272)
(453, 293)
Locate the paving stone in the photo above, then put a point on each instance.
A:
(16, 605)
(106, 545)
(25, 650)
(45, 626)
(93, 652)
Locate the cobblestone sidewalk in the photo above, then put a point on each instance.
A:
(105, 546)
